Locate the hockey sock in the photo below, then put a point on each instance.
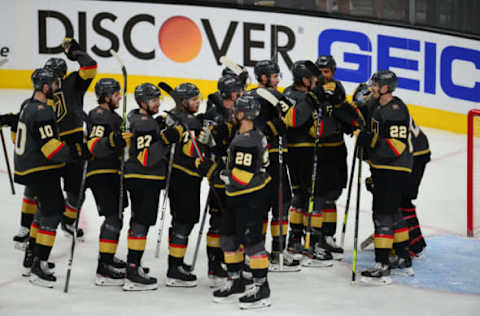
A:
(136, 246)
(329, 213)
(44, 242)
(276, 238)
(70, 214)
(29, 208)
(259, 264)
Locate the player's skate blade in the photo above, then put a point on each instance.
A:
(263, 303)
(35, 280)
(180, 283)
(132, 286)
(100, 280)
(367, 281)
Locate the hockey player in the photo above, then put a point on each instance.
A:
(243, 76)
(338, 117)
(184, 190)
(217, 136)
(145, 173)
(39, 158)
(106, 144)
(300, 119)
(248, 195)
(386, 145)
(67, 103)
(270, 123)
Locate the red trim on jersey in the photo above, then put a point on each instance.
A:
(56, 150)
(329, 210)
(145, 157)
(410, 216)
(321, 129)
(238, 180)
(94, 143)
(213, 235)
(401, 230)
(177, 246)
(137, 238)
(392, 147)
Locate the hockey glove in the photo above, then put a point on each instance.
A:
(205, 137)
(71, 48)
(9, 119)
(203, 167)
(224, 176)
(365, 138)
(172, 134)
(127, 137)
(369, 184)
(115, 139)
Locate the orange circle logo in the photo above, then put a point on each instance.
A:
(180, 39)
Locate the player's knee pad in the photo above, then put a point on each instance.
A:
(252, 236)
(113, 224)
(384, 223)
(180, 233)
(299, 200)
(49, 222)
(229, 243)
(138, 230)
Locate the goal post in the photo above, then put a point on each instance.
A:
(473, 163)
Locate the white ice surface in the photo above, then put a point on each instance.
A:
(441, 210)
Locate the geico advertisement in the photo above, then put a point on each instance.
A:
(434, 70)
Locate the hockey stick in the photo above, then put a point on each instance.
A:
(367, 242)
(230, 64)
(357, 213)
(81, 198)
(349, 192)
(164, 201)
(123, 127)
(7, 162)
(200, 232)
(312, 193)
(267, 95)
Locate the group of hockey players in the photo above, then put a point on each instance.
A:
(257, 155)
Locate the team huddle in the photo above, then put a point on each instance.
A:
(260, 150)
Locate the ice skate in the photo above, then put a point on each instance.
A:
(138, 280)
(179, 277)
(401, 266)
(328, 243)
(21, 238)
(256, 297)
(290, 264)
(231, 290)
(379, 274)
(107, 275)
(41, 274)
(317, 258)
(217, 275)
